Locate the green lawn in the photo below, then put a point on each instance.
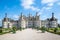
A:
(54, 30)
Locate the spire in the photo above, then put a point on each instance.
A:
(21, 14)
(52, 18)
(52, 15)
(30, 14)
(36, 13)
(5, 19)
(5, 15)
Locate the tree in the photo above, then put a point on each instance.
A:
(14, 29)
(59, 25)
(43, 29)
(0, 30)
(20, 28)
(55, 30)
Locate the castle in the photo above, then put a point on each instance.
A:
(29, 22)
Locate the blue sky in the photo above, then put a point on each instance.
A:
(44, 8)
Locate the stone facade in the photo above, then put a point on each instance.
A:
(29, 22)
(50, 22)
(5, 22)
(53, 21)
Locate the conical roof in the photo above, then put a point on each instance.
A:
(53, 18)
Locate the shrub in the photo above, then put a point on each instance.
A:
(5, 30)
(58, 33)
(52, 31)
(14, 29)
(43, 29)
(55, 30)
(23, 28)
(20, 28)
(0, 30)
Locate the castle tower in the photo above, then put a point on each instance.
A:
(5, 22)
(53, 21)
(6, 19)
(36, 13)
(5, 15)
(30, 16)
(22, 17)
(37, 16)
(52, 16)
(30, 22)
(22, 21)
(37, 21)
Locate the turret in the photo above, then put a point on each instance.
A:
(53, 18)
(5, 18)
(21, 14)
(5, 15)
(37, 16)
(30, 15)
(52, 15)
(36, 13)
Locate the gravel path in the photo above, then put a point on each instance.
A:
(29, 34)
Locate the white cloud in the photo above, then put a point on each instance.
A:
(46, 8)
(48, 1)
(28, 4)
(39, 13)
(0, 20)
(50, 4)
(34, 8)
(58, 3)
(16, 17)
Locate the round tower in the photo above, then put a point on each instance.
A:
(53, 21)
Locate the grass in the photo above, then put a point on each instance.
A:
(43, 29)
(54, 30)
(5, 30)
(51, 30)
(8, 30)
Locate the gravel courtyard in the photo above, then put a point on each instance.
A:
(30, 34)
